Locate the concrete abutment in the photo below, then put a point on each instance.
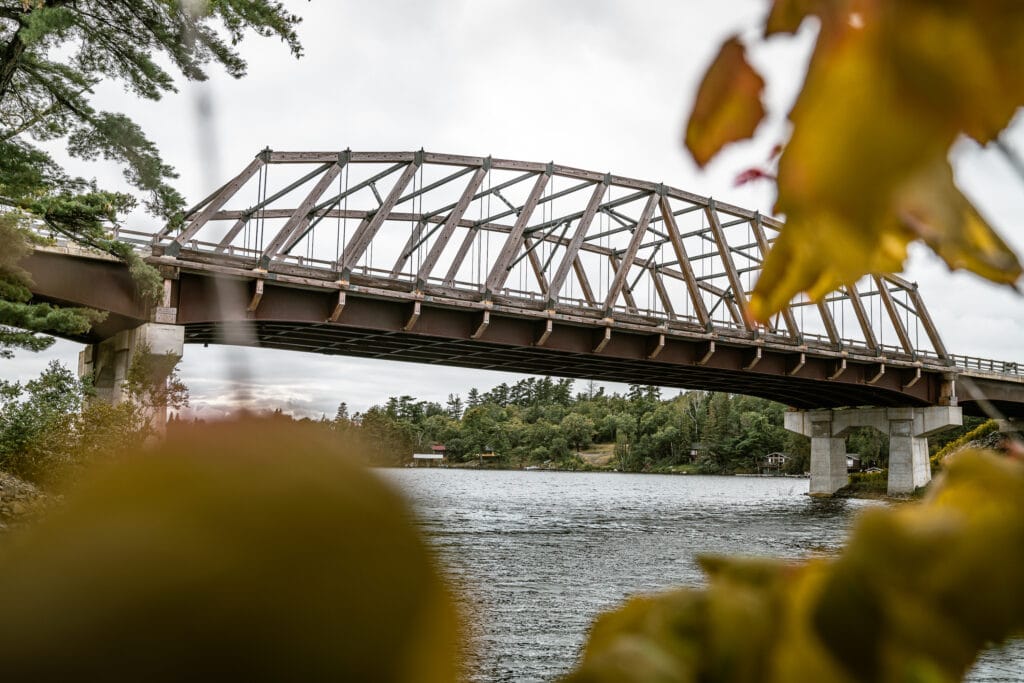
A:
(109, 361)
(908, 430)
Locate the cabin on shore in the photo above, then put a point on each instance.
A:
(774, 462)
(436, 455)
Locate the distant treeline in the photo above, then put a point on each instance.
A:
(543, 420)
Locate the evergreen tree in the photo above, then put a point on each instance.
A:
(52, 53)
(454, 406)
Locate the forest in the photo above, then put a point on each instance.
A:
(546, 422)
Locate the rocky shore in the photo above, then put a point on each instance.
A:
(19, 500)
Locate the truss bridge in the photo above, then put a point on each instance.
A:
(524, 267)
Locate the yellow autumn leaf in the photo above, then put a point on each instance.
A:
(866, 171)
(728, 106)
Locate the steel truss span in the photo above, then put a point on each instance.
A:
(524, 267)
(537, 235)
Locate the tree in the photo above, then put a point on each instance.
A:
(341, 416)
(36, 420)
(577, 430)
(153, 382)
(454, 406)
(52, 53)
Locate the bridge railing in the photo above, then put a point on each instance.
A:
(988, 365)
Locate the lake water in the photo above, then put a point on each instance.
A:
(535, 556)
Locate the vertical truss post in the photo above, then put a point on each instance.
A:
(725, 254)
(215, 204)
(367, 229)
(450, 223)
(499, 272)
(571, 257)
(699, 307)
(622, 271)
(894, 315)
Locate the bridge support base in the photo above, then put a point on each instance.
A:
(109, 361)
(828, 451)
(908, 430)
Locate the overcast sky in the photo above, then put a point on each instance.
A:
(596, 84)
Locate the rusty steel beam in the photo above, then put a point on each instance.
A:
(725, 254)
(566, 235)
(622, 271)
(500, 271)
(365, 233)
(450, 223)
(570, 257)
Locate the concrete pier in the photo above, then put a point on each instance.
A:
(908, 430)
(108, 362)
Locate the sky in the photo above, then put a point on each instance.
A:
(595, 84)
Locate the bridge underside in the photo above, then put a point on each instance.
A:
(490, 355)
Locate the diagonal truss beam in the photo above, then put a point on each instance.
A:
(862, 317)
(300, 219)
(764, 247)
(367, 230)
(683, 261)
(894, 315)
(500, 271)
(622, 272)
(215, 205)
(739, 294)
(450, 224)
(572, 250)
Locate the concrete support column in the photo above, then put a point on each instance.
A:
(909, 429)
(909, 467)
(828, 452)
(109, 361)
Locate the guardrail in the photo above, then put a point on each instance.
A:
(988, 365)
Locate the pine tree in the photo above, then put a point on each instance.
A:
(52, 53)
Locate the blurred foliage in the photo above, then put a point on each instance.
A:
(913, 597)
(985, 428)
(242, 551)
(52, 54)
(890, 87)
